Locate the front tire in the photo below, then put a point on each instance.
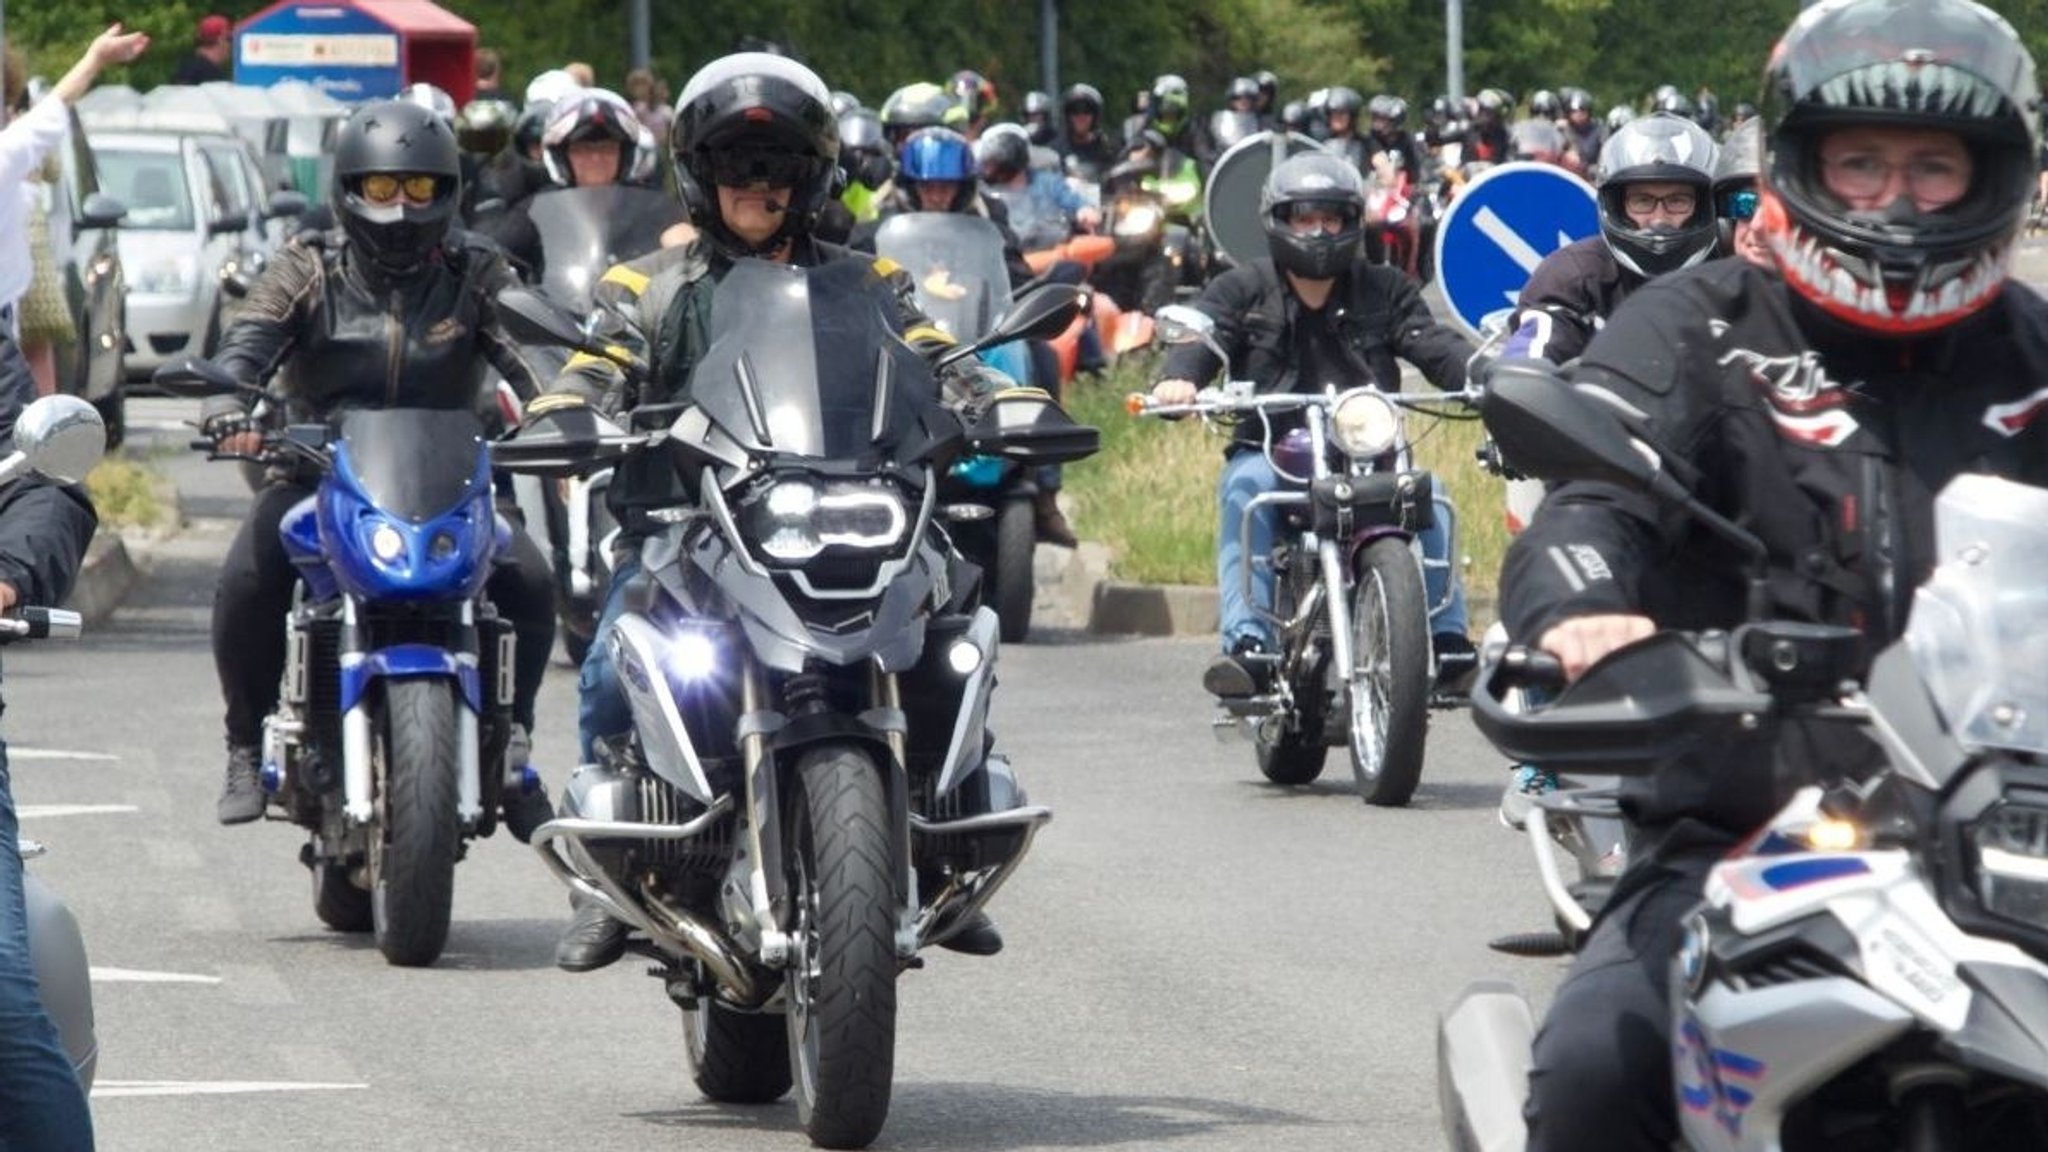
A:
(1388, 697)
(1016, 539)
(842, 978)
(736, 1057)
(412, 854)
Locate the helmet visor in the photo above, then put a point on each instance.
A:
(741, 166)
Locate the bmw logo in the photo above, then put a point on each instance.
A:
(1692, 954)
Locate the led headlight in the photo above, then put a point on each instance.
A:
(691, 656)
(1137, 220)
(794, 520)
(2010, 842)
(1364, 423)
(386, 543)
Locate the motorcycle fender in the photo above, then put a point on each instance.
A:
(637, 646)
(963, 751)
(834, 727)
(410, 662)
(57, 954)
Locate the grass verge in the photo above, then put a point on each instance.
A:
(1150, 493)
(128, 493)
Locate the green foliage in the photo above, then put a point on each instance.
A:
(128, 493)
(1619, 49)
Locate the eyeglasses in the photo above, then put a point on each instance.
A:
(1740, 204)
(1306, 216)
(1934, 178)
(387, 187)
(775, 167)
(1676, 203)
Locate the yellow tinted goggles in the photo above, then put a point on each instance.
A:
(387, 187)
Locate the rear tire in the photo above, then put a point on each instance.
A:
(1388, 698)
(1016, 538)
(413, 850)
(736, 1057)
(842, 978)
(337, 901)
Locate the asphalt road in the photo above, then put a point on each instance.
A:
(1196, 960)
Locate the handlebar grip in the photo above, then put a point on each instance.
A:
(201, 445)
(43, 623)
(1531, 668)
(1136, 403)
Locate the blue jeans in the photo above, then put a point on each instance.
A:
(41, 1104)
(1247, 475)
(601, 706)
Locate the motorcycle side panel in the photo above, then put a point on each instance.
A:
(637, 647)
(1742, 1059)
(300, 532)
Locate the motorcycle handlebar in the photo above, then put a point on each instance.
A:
(34, 623)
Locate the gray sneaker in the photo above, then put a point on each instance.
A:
(241, 795)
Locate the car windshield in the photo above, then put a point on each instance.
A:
(1977, 632)
(151, 185)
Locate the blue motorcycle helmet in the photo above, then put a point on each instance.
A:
(937, 155)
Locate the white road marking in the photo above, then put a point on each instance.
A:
(138, 976)
(108, 1088)
(17, 752)
(32, 811)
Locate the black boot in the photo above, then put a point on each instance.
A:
(593, 940)
(1457, 662)
(1049, 522)
(978, 936)
(1245, 670)
(524, 811)
(241, 795)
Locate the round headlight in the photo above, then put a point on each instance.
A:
(1364, 423)
(386, 544)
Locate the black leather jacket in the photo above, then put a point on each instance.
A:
(1829, 445)
(1378, 312)
(354, 338)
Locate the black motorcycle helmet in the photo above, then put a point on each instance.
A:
(531, 125)
(1675, 103)
(1294, 116)
(1341, 99)
(1577, 100)
(746, 115)
(1243, 88)
(1947, 65)
(398, 138)
(864, 153)
(1313, 178)
(484, 128)
(1659, 148)
(1081, 98)
(911, 107)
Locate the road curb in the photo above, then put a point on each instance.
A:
(115, 561)
(1153, 609)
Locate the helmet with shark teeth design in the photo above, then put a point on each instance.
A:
(1950, 66)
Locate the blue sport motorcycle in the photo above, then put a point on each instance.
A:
(397, 688)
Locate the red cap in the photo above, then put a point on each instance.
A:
(213, 28)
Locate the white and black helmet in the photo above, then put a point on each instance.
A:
(1320, 178)
(1666, 149)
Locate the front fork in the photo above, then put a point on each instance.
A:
(358, 788)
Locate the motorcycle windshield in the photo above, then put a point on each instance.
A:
(810, 362)
(584, 231)
(1228, 126)
(413, 463)
(1979, 628)
(956, 261)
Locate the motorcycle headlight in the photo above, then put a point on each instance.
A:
(2010, 844)
(1364, 423)
(793, 520)
(1137, 220)
(387, 543)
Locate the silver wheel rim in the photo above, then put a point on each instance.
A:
(1372, 677)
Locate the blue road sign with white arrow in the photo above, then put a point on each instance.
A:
(1500, 227)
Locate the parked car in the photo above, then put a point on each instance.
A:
(83, 237)
(185, 230)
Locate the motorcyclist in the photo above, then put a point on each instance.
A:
(1341, 109)
(1267, 105)
(1004, 156)
(1486, 136)
(911, 107)
(1656, 215)
(1239, 116)
(1821, 404)
(1313, 312)
(1039, 119)
(1084, 146)
(1583, 131)
(1389, 117)
(399, 309)
(483, 130)
(974, 103)
(518, 171)
(1736, 196)
(592, 139)
(938, 172)
(1172, 115)
(867, 161)
(755, 148)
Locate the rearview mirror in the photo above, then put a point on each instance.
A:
(60, 436)
(1027, 426)
(196, 377)
(228, 222)
(287, 204)
(100, 211)
(1039, 314)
